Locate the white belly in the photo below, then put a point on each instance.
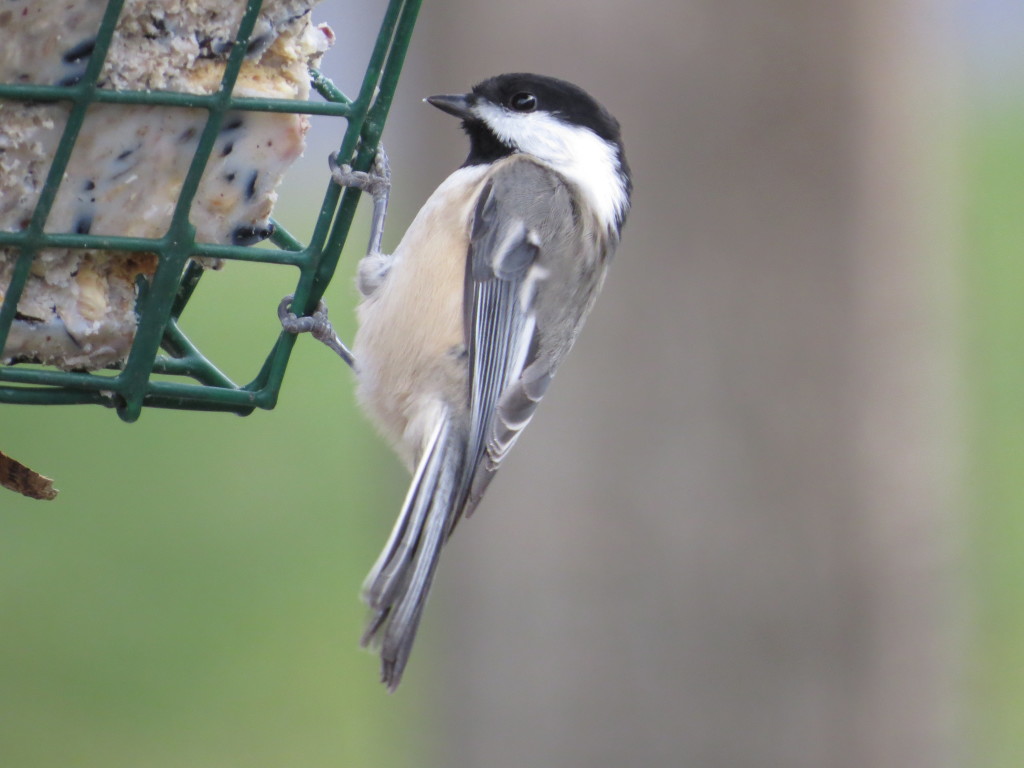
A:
(410, 341)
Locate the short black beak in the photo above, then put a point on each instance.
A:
(458, 104)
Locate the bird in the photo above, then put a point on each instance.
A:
(462, 327)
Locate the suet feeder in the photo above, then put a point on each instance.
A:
(159, 366)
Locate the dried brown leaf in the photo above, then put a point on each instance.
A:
(17, 477)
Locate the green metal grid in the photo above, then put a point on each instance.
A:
(160, 346)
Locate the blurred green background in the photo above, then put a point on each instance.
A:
(994, 357)
(190, 598)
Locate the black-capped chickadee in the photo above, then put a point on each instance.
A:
(463, 326)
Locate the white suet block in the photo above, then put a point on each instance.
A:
(129, 163)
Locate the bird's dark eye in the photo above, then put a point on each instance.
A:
(523, 102)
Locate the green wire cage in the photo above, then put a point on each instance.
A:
(163, 367)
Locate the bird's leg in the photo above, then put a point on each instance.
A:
(374, 267)
(316, 324)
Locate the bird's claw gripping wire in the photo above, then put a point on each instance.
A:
(376, 183)
(316, 324)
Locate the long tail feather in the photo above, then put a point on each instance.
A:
(398, 585)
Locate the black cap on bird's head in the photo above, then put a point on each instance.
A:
(522, 93)
(552, 119)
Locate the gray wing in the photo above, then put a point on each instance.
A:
(531, 276)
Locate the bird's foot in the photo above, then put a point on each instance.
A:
(376, 182)
(316, 325)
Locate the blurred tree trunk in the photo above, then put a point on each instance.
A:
(725, 541)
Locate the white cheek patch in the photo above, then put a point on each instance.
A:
(579, 154)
